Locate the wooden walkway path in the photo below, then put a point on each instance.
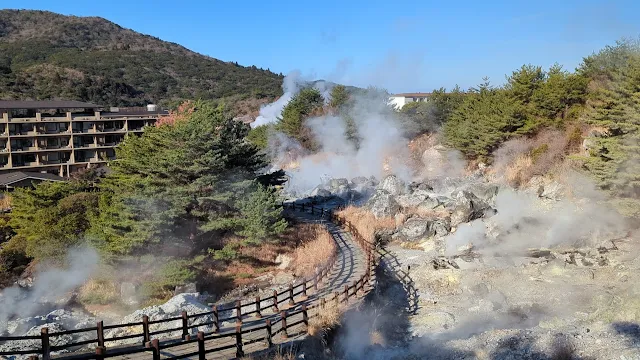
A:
(350, 266)
(279, 319)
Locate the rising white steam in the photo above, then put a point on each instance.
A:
(381, 148)
(50, 285)
(292, 84)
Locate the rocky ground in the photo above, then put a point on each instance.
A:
(501, 274)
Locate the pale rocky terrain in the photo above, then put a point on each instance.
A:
(544, 272)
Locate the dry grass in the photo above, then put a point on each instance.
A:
(314, 253)
(420, 144)
(365, 223)
(376, 338)
(326, 320)
(5, 201)
(521, 159)
(515, 173)
(98, 291)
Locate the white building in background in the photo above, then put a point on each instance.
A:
(400, 100)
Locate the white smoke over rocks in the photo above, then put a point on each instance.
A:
(51, 288)
(382, 147)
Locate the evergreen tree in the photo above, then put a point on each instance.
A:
(307, 102)
(614, 107)
(51, 218)
(261, 215)
(486, 118)
(177, 183)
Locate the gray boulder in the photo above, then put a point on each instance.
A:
(429, 203)
(384, 236)
(466, 207)
(441, 227)
(320, 192)
(393, 185)
(483, 191)
(343, 192)
(336, 183)
(413, 199)
(416, 228)
(383, 204)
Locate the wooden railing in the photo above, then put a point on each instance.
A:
(276, 324)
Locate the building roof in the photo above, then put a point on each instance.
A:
(54, 104)
(411, 95)
(16, 176)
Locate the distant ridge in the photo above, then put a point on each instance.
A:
(48, 56)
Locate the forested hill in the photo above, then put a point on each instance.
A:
(44, 55)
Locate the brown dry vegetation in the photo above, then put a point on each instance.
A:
(365, 223)
(98, 291)
(252, 261)
(5, 201)
(519, 160)
(326, 320)
(314, 253)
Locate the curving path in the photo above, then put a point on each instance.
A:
(349, 279)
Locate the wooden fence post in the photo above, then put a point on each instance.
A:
(269, 340)
(216, 319)
(145, 329)
(46, 349)
(321, 212)
(302, 207)
(100, 352)
(100, 331)
(315, 280)
(311, 209)
(322, 303)
(238, 309)
(275, 301)
(258, 313)
(291, 295)
(346, 293)
(239, 352)
(283, 319)
(201, 348)
(304, 289)
(155, 346)
(305, 317)
(185, 325)
(336, 297)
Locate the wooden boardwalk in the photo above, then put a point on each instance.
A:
(348, 279)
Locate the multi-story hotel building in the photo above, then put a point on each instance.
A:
(60, 137)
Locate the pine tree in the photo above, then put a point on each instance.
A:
(614, 106)
(177, 183)
(261, 215)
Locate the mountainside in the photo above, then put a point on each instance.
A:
(44, 55)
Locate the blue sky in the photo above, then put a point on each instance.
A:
(400, 46)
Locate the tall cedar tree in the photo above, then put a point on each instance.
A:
(177, 183)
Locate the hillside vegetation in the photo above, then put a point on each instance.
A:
(44, 55)
(186, 194)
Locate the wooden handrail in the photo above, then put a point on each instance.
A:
(286, 295)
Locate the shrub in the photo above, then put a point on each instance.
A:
(172, 274)
(98, 292)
